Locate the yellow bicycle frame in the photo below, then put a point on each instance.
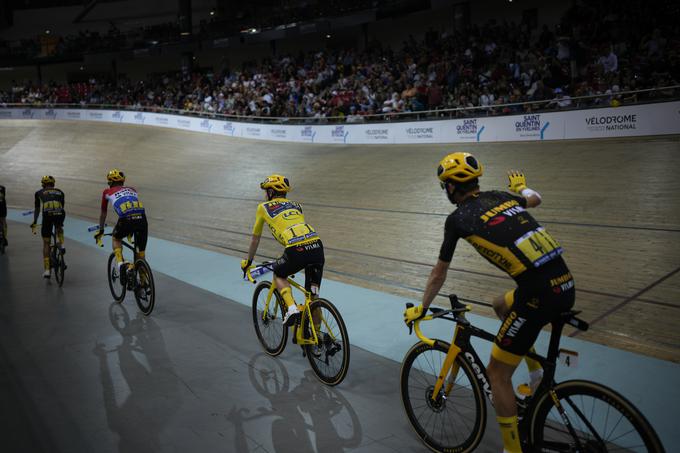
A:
(306, 312)
(449, 367)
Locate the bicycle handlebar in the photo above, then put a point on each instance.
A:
(457, 309)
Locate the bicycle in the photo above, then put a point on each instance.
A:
(137, 278)
(57, 263)
(443, 387)
(320, 330)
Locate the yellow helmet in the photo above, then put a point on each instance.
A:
(277, 182)
(115, 175)
(459, 167)
(47, 179)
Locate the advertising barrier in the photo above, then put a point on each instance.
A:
(638, 120)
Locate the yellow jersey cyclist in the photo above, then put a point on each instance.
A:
(3, 214)
(498, 226)
(131, 216)
(53, 201)
(303, 248)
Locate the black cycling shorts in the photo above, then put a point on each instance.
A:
(531, 308)
(3, 210)
(49, 222)
(133, 225)
(306, 256)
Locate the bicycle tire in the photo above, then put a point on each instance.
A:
(418, 376)
(2, 242)
(576, 410)
(144, 287)
(267, 326)
(59, 266)
(114, 279)
(334, 342)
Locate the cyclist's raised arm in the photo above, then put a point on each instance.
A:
(518, 184)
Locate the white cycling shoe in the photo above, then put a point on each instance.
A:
(291, 316)
(47, 274)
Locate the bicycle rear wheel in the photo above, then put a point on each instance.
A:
(59, 265)
(144, 288)
(330, 358)
(115, 284)
(268, 321)
(456, 419)
(601, 421)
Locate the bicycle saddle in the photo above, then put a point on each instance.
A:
(569, 317)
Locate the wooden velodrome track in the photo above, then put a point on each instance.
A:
(613, 204)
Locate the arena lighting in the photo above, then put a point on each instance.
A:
(251, 31)
(328, 36)
(212, 13)
(185, 33)
(47, 32)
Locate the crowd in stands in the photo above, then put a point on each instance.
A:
(498, 68)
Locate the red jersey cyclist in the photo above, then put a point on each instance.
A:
(303, 248)
(131, 216)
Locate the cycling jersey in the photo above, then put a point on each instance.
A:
(125, 201)
(497, 225)
(3, 202)
(52, 200)
(285, 221)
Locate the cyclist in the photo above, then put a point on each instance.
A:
(3, 214)
(303, 248)
(53, 202)
(498, 226)
(131, 217)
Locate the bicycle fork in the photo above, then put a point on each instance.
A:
(450, 367)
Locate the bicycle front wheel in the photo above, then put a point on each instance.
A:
(456, 418)
(115, 284)
(59, 266)
(268, 320)
(330, 358)
(145, 290)
(600, 419)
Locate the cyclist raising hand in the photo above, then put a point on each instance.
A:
(131, 216)
(498, 226)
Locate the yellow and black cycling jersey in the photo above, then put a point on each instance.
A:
(497, 225)
(286, 222)
(52, 200)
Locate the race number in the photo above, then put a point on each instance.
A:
(538, 246)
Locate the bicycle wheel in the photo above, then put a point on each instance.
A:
(144, 289)
(269, 325)
(330, 358)
(59, 265)
(115, 284)
(456, 420)
(601, 420)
